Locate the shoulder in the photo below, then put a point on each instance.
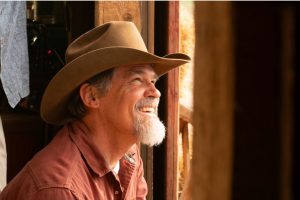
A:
(51, 172)
(25, 187)
(57, 163)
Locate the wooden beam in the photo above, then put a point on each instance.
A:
(186, 150)
(186, 114)
(106, 11)
(172, 104)
(213, 102)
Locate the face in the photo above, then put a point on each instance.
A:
(132, 103)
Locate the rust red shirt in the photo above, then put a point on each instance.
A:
(70, 167)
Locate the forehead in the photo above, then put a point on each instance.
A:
(144, 69)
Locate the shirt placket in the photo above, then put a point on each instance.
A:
(118, 189)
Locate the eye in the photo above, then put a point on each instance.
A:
(136, 80)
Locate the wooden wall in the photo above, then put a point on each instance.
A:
(245, 107)
(106, 11)
(213, 102)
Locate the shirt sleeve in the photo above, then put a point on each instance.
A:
(54, 193)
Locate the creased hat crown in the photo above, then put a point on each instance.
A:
(115, 34)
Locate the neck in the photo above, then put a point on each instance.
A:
(111, 142)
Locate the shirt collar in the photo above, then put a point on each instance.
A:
(79, 134)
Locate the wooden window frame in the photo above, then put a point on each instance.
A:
(165, 156)
(172, 104)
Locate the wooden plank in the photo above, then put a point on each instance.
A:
(106, 11)
(172, 104)
(213, 102)
(186, 150)
(186, 114)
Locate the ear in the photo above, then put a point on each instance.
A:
(89, 94)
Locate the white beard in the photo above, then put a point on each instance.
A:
(149, 129)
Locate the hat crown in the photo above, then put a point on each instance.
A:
(112, 34)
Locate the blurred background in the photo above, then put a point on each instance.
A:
(232, 114)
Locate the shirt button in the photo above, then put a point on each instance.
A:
(116, 192)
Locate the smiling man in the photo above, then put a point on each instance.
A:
(105, 96)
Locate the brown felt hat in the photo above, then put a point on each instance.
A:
(110, 45)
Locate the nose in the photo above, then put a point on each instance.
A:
(152, 91)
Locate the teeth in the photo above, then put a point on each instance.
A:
(147, 109)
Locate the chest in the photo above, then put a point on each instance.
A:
(111, 186)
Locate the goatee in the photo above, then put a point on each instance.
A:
(148, 128)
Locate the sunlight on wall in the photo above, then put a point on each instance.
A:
(186, 75)
(186, 45)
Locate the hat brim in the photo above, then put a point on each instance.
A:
(73, 74)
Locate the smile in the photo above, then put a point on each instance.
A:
(147, 106)
(147, 109)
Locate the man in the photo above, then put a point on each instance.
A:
(105, 96)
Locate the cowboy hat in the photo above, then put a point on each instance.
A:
(107, 46)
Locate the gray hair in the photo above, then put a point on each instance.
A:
(101, 81)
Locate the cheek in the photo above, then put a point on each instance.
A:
(126, 98)
(132, 94)
(123, 105)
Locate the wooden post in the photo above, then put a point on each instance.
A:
(213, 102)
(186, 150)
(106, 11)
(172, 104)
